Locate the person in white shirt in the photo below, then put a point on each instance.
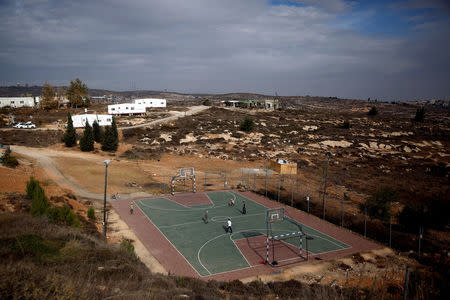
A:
(228, 226)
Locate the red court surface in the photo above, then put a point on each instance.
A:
(252, 248)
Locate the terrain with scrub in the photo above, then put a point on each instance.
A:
(386, 149)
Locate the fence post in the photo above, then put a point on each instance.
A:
(390, 231)
(205, 182)
(225, 180)
(279, 182)
(420, 238)
(307, 203)
(254, 182)
(292, 193)
(342, 215)
(242, 176)
(266, 183)
(365, 221)
(248, 178)
(405, 287)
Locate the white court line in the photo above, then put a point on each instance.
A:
(181, 210)
(199, 250)
(167, 239)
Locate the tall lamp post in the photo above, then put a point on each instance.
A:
(325, 184)
(107, 162)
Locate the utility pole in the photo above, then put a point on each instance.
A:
(324, 201)
(107, 162)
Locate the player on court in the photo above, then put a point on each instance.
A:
(228, 226)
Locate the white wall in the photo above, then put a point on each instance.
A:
(126, 108)
(151, 102)
(102, 120)
(15, 102)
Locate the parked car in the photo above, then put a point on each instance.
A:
(26, 125)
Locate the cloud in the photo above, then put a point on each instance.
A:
(217, 46)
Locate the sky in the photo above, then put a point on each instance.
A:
(389, 50)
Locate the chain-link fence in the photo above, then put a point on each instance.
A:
(313, 197)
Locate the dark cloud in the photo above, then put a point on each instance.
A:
(218, 46)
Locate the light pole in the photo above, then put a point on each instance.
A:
(325, 184)
(107, 162)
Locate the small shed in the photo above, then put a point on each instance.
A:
(283, 167)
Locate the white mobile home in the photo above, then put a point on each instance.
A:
(80, 120)
(15, 102)
(126, 109)
(151, 102)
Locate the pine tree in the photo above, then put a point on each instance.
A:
(106, 142)
(115, 135)
(39, 203)
(70, 137)
(87, 140)
(97, 130)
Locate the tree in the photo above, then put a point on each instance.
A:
(39, 202)
(87, 140)
(379, 204)
(98, 132)
(48, 97)
(77, 93)
(70, 137)
(115, 134)
(247, 125)
(60, 94)
(420, 115)
(110, 140)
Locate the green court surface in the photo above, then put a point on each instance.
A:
(207, 247)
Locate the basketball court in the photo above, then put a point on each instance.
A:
(175, 231)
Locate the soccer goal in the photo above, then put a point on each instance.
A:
(290, 243)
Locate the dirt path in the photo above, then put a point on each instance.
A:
(175, 115)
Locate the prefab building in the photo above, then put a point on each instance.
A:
(126, 109)
(102, 120)
(151, 102)
(16, 102)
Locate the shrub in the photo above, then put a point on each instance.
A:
(247, 125)
(420, 115)
(373, 111)
(379, 204)
(9, 160)
(128, 247)
(91, 213)
(346, 124)
(206, 102)
(39, 202)
(63, 215)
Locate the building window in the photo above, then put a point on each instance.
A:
(132, 108)
(108, 120)
(113, 108)
(21, 102)
(12, 102)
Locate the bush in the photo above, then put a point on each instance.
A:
(91, 213)
(247, 125)
(9, 160)
(379, 204)
(346, 124)
(206, 102)
(420, 115)
(39, 202)
(63, 215)
(373, 111)
(128, 247)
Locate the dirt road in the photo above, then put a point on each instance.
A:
(174, 115)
